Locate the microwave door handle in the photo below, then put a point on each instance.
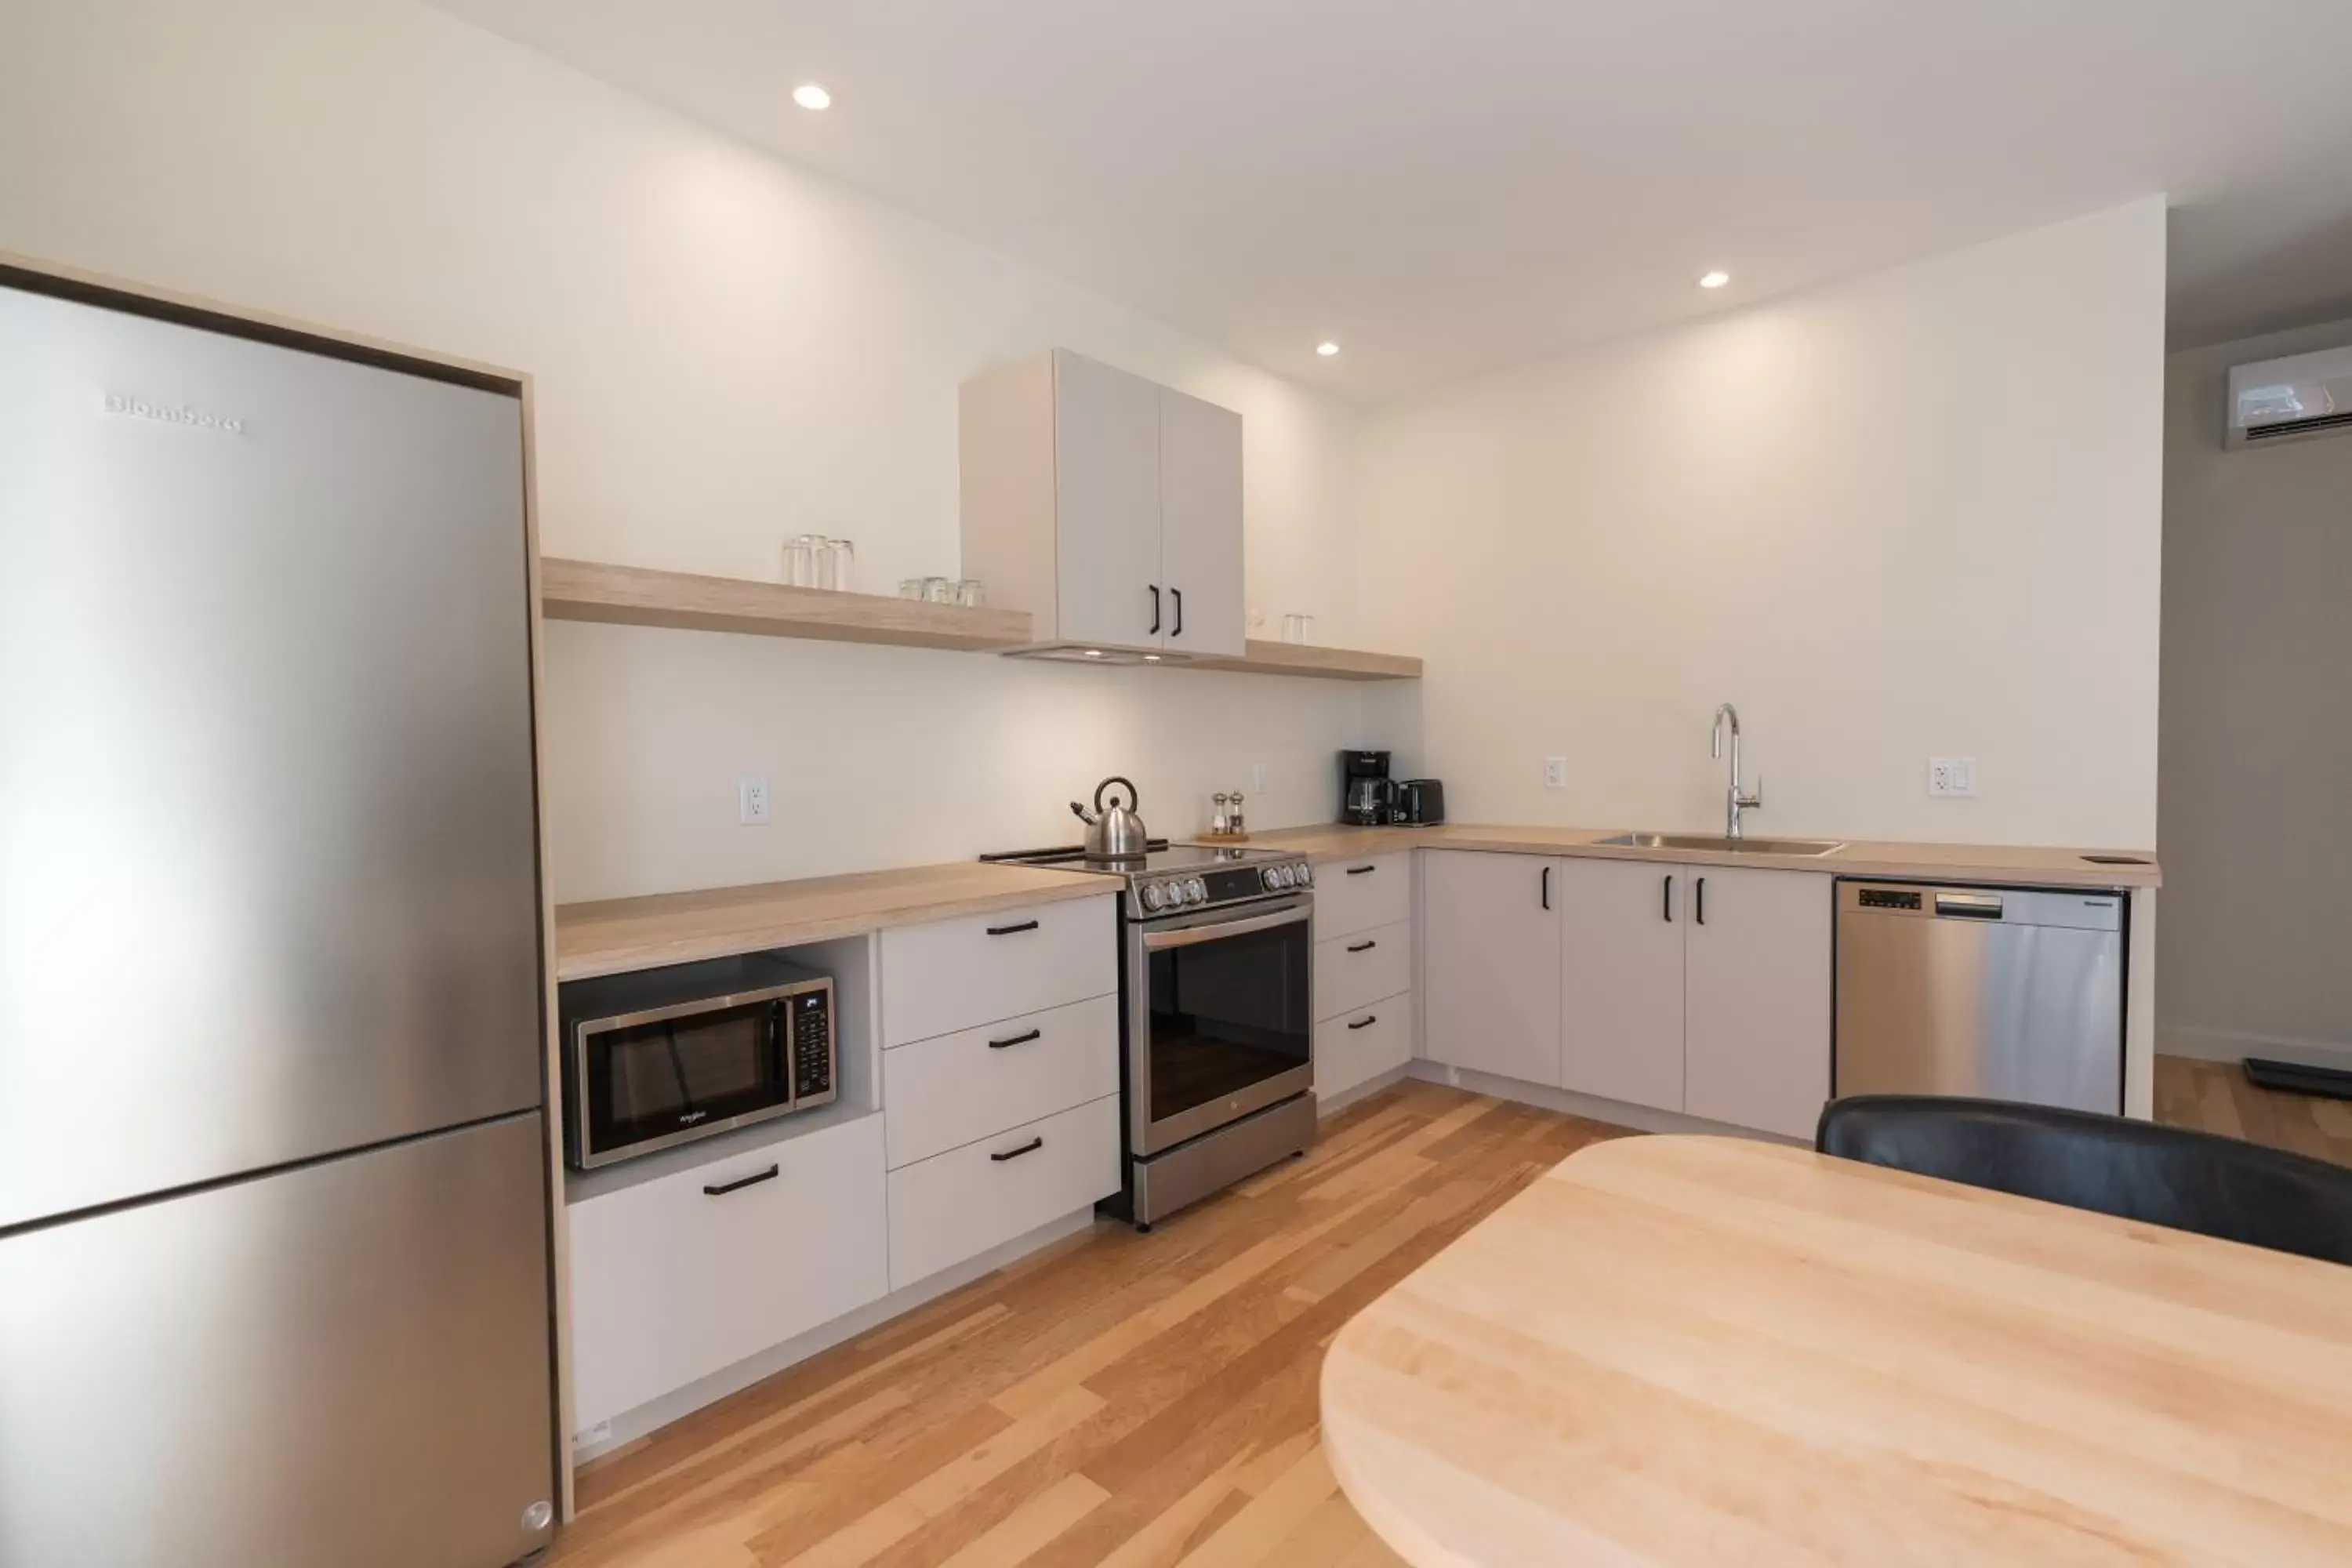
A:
(1217, 930)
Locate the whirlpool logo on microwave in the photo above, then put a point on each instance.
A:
(122, 402)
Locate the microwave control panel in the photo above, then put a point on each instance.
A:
(809, 1035)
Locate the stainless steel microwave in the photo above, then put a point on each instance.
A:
(663, 1057)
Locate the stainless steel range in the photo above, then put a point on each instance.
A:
(1217, 1012)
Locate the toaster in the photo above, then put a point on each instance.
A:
(1421, 803)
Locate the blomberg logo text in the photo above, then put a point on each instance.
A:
(140, 408)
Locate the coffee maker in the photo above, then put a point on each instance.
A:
(1367, 796)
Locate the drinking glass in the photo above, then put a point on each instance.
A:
(969, 593)
(939, 590)
(911, 587)
(839, 562)
(801, 567)
(1297, 628)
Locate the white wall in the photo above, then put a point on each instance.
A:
(727, 351)
(1912, 513)
(2257, 750)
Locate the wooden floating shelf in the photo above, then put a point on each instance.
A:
(1305, 658)
(642, 596)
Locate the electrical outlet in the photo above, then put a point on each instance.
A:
(600, 1433)
(752, 801)
(1952, 778)
(1555, 772)
(1257, 778)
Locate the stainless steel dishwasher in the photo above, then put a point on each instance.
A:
(2004, 993)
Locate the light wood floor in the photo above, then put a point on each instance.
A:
(1120, 1399)
(2214, 1097)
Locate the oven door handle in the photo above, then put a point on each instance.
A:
(1217, 930)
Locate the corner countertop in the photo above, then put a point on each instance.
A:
(2040, 865)
(615, 935)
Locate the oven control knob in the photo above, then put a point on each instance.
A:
(1153, 895)
(1271, 876)
(1197, 890)
(1306, 876)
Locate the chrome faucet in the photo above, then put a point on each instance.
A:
(1735, 800)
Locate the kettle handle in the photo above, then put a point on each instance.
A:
(1134, 796)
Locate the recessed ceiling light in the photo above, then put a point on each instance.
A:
(808, 95)
(1327, 349)
(1714, 280)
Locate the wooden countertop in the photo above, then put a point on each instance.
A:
(618, 934)
(1945, 862)
(1704, 1350)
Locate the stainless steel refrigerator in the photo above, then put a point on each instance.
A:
(274, 1258)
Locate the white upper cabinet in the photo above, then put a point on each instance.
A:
(1622, 979)
(1757, 998)
(1200, 524)
(1106, 520)
(1490, 963)
(1108, 507)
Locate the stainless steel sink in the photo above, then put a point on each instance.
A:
(1717, 842)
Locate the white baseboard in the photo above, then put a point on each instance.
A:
(1343, 1099)
(655, 1413)
(1592, 1107)
(2235, 1046)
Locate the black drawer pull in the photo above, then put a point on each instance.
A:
(1366, 1022)
(1012, 930)
(1363, 947)
(1030, 1147)
(723, 1188)
(1666, 899)
(1014, 1040)
(1698, 902)
(1362, 870)
(1546, 886)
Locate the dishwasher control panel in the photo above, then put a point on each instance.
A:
(1888, 898)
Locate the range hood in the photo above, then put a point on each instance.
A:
(1096, 653)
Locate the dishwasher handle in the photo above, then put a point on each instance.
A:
(1968, 906)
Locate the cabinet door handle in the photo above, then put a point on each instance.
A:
(1178, 594)
(723, 1188)
(1030, 1147)
(1012, 930)
(1366, 1022)
(1011, 1040)
(1666, 902)
(1363, 947)
(1362, 870)
(1698, 902)
(1155, 609)
(1546, 886)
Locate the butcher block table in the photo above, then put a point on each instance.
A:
(1707, 1350)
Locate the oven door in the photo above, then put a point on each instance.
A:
(1220, 1018)
(649, 1080)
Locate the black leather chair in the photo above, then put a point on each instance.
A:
(2164, 1175)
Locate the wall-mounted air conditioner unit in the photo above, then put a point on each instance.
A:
(2281, 399)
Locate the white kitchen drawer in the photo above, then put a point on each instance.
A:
(1349, 1052)
(940, 1094)
(957, 974)
(670, 1283)
(1350, 971)
(958, 1204)
(1353, 896)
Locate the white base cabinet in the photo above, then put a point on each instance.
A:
(675, 1279)
(1699, 989)
(1490, 938)
(959, 1204)
(1621, 925)
(1757, 998)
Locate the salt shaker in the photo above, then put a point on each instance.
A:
(1217, 820)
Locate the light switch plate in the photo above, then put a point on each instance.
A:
(1257, 778)
(1555, 772)
(752, 801)
(1953, 778)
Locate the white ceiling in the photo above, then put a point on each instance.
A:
(1445, 189)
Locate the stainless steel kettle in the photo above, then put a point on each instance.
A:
(1113, 831)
